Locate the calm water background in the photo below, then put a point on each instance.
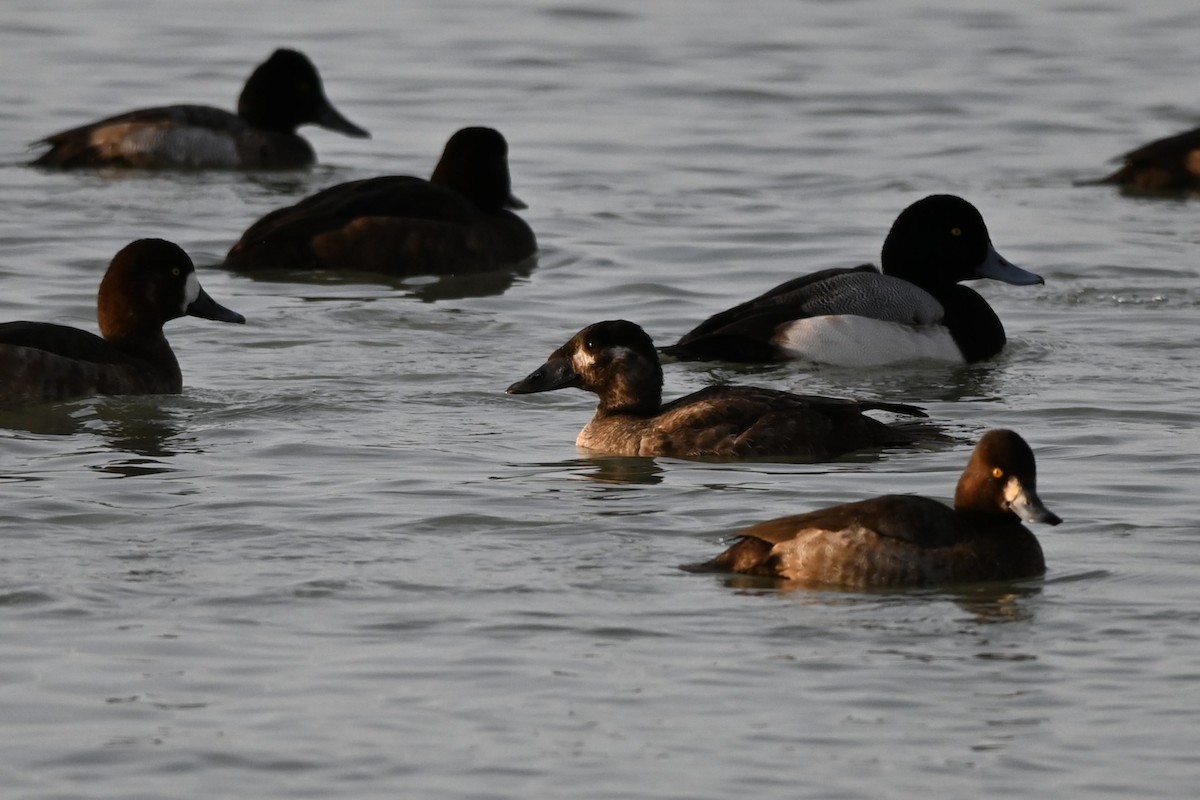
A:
(343, 564)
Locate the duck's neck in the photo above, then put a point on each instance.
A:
(635, 392)
(149, 346)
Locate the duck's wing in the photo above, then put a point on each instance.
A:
(1167, 151)
(745, 332)
(60, 340)
(892, 524)
(396, 196)
(749, 421)
(144, 138)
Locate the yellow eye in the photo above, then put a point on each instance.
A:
(175, 271)
(956, 231)
(997, 473)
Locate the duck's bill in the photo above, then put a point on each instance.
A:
(207, 308)
(1026, 504)
(515, 203)
(554, 374)
(998, 268)
(332, 119)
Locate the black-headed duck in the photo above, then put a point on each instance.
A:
(283, 93)
(148, 283)
(908, 540)
(456, 222)
(617, 360)
(1164, 165)
(914, 309)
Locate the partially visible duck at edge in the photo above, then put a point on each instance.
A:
(912, 309)
(456, 222)
(908, 540)
(617, 361)
(148, 283)
(283, 93)
(1164, 165)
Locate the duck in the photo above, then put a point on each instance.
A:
(616, 360)
(283, 93)
(458, 221)
(900, 541)
(1171, 164)
(910, 309)
(148, 283)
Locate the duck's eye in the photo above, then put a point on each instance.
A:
(997, 473)
(590, 344)
(175, 271)
(956, 231)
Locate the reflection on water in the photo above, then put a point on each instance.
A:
(143, 427)
(986, 603)
(997, 602)
(427, 289)
(622, 469)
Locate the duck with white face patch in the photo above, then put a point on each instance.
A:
(148, 283)
(909, 540)
(617, 361)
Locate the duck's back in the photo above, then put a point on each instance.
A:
(745, 422)
(175, 137)
(775, 322)
(42, 362)
(1172, 163)
(391, 224)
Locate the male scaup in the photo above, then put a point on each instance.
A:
(617, 361)
(1164, 165)
(908, 540)
(455, 222)
(148, 283)
(283, 93)
(914, 309)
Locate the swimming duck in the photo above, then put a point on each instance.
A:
(283, 93)
(455, 222)
(617, 361)
(913, 309)
(908, 540)
(148, 283)
(1164, 165)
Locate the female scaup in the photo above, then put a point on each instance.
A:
(617, 361)
(453, 223)
(283, 93)
(1164, 165)
(914, 309)
(148, 283)
(907, 540)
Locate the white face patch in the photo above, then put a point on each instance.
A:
(1014, 492)
(853, 341)
(582, 360)
(191, 290)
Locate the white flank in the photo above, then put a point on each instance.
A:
(852, 341)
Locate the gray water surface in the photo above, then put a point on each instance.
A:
(344, 564)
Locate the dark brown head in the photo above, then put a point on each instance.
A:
(285, 92)
(615, 359)
(148, 283)
(1001, 478)
(475, 164)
